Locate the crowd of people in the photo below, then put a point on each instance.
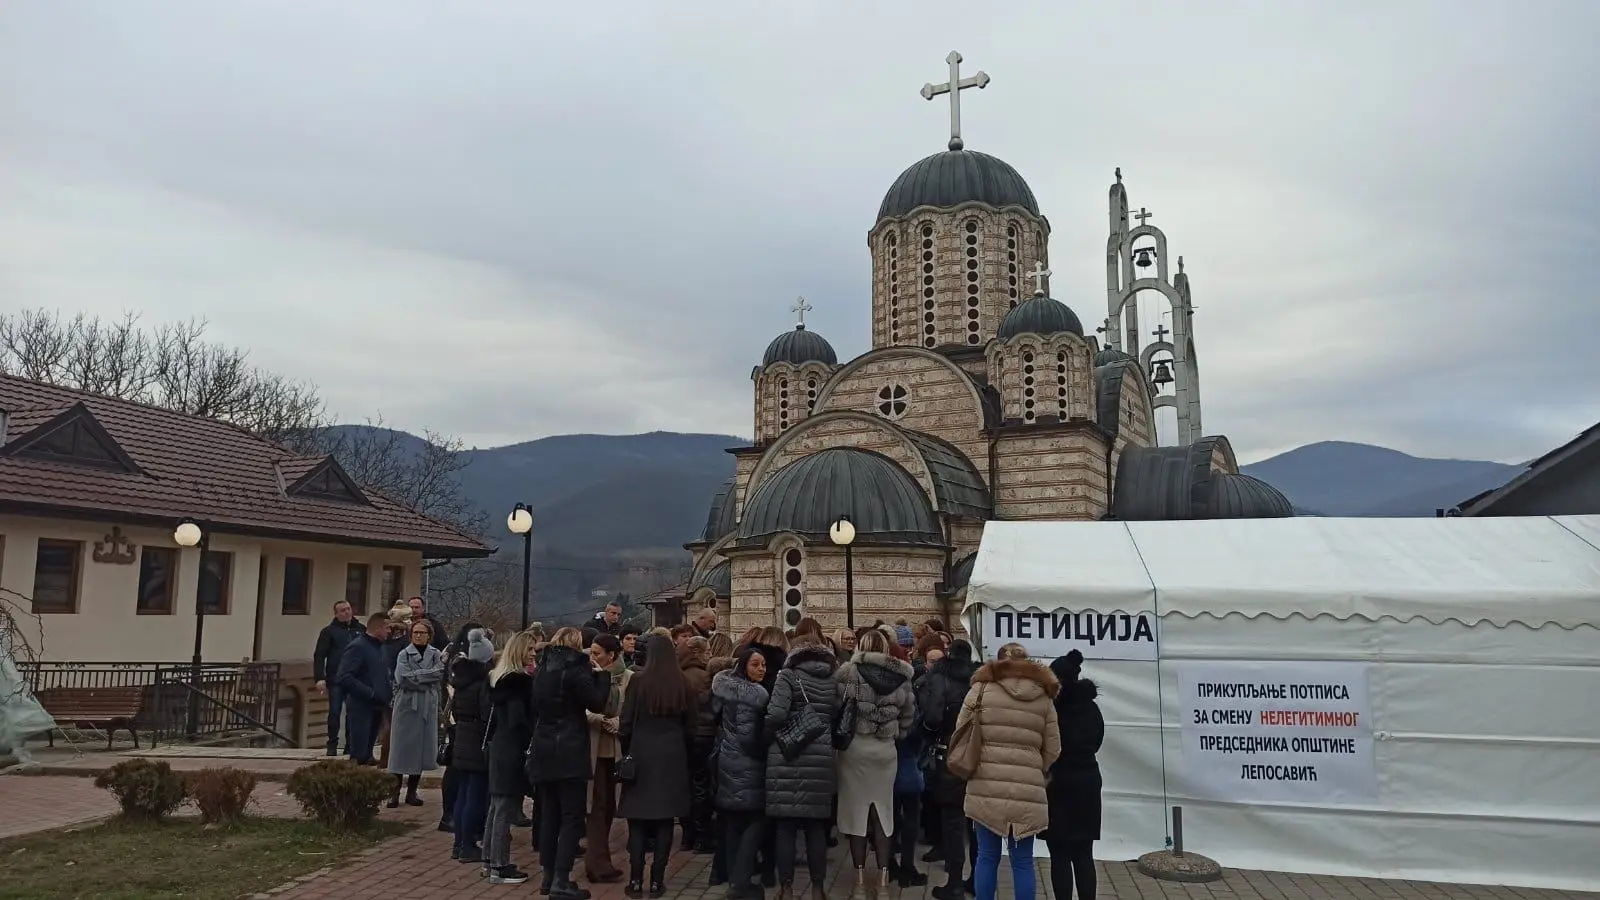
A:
(747, 750)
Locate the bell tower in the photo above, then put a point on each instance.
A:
(1131, 253)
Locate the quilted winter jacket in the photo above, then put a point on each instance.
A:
(740, 706)
(1014, 702)
(802, 787)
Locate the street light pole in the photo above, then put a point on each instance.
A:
(190, 533)
(843, 534)
(521, 522)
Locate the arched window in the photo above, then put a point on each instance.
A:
(929, 335)
(972, 236)
(783, 404)
(1029, 385)
(1012, 235)
(892, 244)
(812, 383)
(791, 585)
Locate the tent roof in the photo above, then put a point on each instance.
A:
(1534, 571)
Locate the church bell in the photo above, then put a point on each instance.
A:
(1162, 374)
(1142, 258)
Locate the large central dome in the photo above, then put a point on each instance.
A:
(955, 177)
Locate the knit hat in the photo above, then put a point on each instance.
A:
(1067, 668)
(479, 649)
(399, 614)
(903, 635)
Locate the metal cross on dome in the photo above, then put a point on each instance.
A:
(1039, 274)
(954, 87)
(801, 307)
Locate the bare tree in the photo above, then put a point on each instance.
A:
(172, 366)
(421, 473)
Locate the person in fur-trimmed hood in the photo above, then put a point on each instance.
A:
(1074, 788)
(1013, 700)
(880, 687)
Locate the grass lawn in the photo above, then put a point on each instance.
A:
(181, 858)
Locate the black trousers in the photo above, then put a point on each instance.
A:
(815, 833)
(742, 837)
(562, 809)
(954, 829)
(649, 836)
(907, 825)
(1071, 863)
(697, 829)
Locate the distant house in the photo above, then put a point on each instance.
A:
(1563, 482)
(92, 489)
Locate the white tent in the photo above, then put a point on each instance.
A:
(1414, 698)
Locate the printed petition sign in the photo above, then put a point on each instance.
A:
(1298, 731)
(1047, 635)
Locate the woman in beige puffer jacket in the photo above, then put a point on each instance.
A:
(1013, 699)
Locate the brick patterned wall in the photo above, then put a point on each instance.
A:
(940, 398)
(863, 431)
(965, 535)
(1051, 472)
(1055, 368)
(901, 266)
(1135, 418)
(890, 582)
(743, 464)
(785, 397)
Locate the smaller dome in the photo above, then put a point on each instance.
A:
(1108, 355)
(719, 578)
(1039, 315)
(807, 496)
(799, 346)
(720, 518)
(1240, 496)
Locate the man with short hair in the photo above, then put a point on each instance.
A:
(681, 634)
(609, 620)
(705, 623)
(418, 612)
(331, 643)
(365, 681)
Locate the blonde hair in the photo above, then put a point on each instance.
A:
(843, 635)
(537, 630)
(773, 636)
(514, 658)
(422, 623)
(658, 631)
(872, 640)
(1012, 651)
(399, 614)
(568, 637)
(719, 645)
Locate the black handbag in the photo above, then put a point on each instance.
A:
(447, 747)
(803, 725)
(844, 721)
(627, 769)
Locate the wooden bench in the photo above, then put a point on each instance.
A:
(111, 708)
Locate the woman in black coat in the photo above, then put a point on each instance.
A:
(940, 694)
(1074, 785)
(739, 703)
(470, 708)
(801, 786)
(657, 730)
(567, 686)
(509, 729)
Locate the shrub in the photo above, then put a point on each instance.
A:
(221, 794)
(340, 793)
(146, 789)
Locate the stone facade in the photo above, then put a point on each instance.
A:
(1051, 472)
(915, 389)
(889, 582)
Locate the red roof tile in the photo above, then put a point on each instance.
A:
(201, 468)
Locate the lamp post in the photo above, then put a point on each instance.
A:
(189, 533)
(843, 534)
(521, 522)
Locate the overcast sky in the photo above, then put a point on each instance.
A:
(504, 220)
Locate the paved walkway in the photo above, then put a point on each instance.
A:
(417, 866)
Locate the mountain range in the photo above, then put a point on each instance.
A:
(642, 494)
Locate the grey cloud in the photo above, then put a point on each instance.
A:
(1388, 213)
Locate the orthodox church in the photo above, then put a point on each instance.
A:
(982, 398)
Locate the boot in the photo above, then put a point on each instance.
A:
(634, 890)
(817, 893)
(881, 889)
(859, 892)
(394, 795)
(908, 876)
(548, 879)
(564, 889)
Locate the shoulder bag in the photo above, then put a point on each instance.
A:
(844, 720)
(966, 745)
(804, 725)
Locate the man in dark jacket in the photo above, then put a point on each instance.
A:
(419, 610)
(365, 681)
(608, 620)
(331, 641)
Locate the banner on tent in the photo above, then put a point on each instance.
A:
(1277, 730)
(1047, 635)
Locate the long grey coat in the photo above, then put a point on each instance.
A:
(740, 706)
(414, 728)
(803, 787)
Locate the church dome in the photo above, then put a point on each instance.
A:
(1239, 496)
(798, 347)
(955, 177)
(808, 495)
(1039, 315)
(1108, 355)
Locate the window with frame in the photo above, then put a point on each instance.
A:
(296, 586)
(158, 580)
(356, 576)
(56, 569)
(216, 583)
(394, 583)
